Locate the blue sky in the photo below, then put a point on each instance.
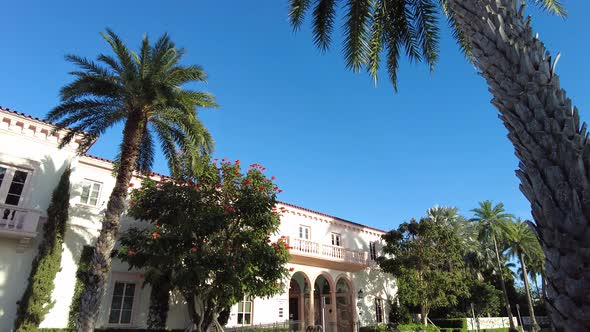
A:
(335, 142)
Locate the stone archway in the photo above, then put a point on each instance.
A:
(344, 305)
(324, 313)
(299, 301)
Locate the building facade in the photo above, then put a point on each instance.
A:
(334, 280)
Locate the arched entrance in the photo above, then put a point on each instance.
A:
(299, 306)
(322, 290)
(344, 305)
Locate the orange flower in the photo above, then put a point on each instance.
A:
(291, 269)
(193, 249)
(131, 203)
(155, 235)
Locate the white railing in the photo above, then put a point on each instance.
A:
(15, 220)
(327, 251)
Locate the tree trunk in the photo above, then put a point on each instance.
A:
(527, 289)
(101, 259)
(503, 283)
(424, 313)
(552, 146)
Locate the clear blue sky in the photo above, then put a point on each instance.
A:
(335, 142)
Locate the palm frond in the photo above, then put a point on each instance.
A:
(426, 20)
(122, 52)
(552, 6)
(356, 34)
(297, 11)
(323, 23)
(376, 41)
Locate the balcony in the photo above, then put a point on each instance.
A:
(327, 256)
(18, 223)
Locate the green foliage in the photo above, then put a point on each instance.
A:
(371, 28)
(399, 314)
(416, 328)
(427, 276)
(211, 235)
(486, 298)
(36, 301)
(81, 275)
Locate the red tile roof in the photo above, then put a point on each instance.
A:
(6, 109)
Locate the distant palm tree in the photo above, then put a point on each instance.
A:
(491, 221)
(549, 138)
(144, 91)
(522, 244)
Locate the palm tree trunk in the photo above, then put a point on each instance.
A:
(501, 272)
(101, 259)
(527, 289)
(552, 147)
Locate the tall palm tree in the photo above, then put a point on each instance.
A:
(144, 91)
(543, 126)
(491, 220)
(523, 244)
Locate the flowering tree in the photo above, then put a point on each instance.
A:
(210, 235)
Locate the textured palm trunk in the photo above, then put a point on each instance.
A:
(101, 259)
(550, 143)
(527, 289)
(503, 283)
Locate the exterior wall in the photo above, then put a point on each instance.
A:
(26, 142)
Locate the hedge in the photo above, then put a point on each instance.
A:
(452, 323)
(399, 328)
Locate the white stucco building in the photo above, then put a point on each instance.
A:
(334, 280)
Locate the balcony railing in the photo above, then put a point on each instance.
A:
(18, 222)
(327, 252)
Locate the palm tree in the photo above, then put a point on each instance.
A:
(523, 244)
(543, 126)
(491, 220)
(144, 91)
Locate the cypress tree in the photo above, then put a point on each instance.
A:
(36, 301)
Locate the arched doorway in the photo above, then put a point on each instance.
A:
(322, 301)
(344, 303)
(299, 309)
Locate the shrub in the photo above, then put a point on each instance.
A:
(453, 323)
(36, 300)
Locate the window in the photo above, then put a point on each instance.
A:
(122, 303)
(12, 184)
(280, 312)
(379, 310)
(336, 239)
(245, 311)
(304, 232)
(90, 192)
(373, 250)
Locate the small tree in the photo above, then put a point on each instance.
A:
(211, 234)
(36, 301)
(427, 262)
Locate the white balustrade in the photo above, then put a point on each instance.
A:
(17, 222)
(327, 251)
